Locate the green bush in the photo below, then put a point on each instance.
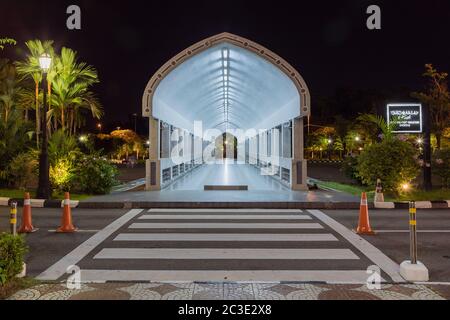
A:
(94, 175)
(392, 161)
(441, 166)
(22, 171)
(12, 251)
(61, 146)
(62, 175)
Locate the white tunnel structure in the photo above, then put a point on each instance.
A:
(226, 84)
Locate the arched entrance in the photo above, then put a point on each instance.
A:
(226, 84)
(227, 147)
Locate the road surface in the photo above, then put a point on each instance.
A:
(232, 245)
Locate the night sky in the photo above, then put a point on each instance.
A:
(327, 41)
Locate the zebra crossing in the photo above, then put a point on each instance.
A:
(246, 245)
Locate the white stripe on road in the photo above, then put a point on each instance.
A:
(225, 217)
(226, 226)
(225, 210)
(407, 231)
(370, 251)
(60, 267)
(214, 237)
(221, 254)
(433, 283)
(265, 276)
(78, 231)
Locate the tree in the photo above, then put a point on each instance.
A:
(15, 138)
(30, 68)
(71, 83)
(60, 146)
(387, 130)
(7, 41)
(392, 160)
(342, 127)
(9, 89)
(318, 141)
(354, 140)
(436, 96)
(441, 166)
(131, 143)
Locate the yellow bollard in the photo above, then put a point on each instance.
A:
(413, 231)
(13, 218)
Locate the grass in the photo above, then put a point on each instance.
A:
(18, 194)
(414, 195)
(14, 193)
(419, 195)
(347, 188)
(16, 285)
(73, 196)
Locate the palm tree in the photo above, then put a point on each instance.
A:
(7, 41)
(387, 129)
(342, 127)
(30, 68)
(89, 105)
(71, 95)
(9, 89)
(15, 137)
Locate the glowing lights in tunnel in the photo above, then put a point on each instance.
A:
(226, 85)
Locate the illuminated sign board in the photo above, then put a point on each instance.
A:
(407, 115)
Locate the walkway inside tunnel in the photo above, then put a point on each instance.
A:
(226, 111)
(227, 174)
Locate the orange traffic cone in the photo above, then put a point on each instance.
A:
(364, 223)
(27, 224)
(66, 224)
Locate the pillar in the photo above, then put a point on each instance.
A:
(299, 164)
(153, 164)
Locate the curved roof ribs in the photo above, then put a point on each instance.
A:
(225, 37)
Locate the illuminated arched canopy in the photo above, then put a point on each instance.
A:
(226, 82)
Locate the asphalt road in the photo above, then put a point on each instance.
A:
(47, 248)
(433, 247)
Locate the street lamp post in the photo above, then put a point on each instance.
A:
(44, 190)
(330, 149)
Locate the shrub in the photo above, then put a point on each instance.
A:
(94, 175)
(61, 146)
(392, 161)
(62, 175)
(441, 166)
(22, 171)
(12, 251)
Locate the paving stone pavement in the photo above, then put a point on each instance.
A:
(230, 291)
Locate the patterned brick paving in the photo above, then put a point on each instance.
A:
(231, 291)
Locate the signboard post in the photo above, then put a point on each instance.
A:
(414, 118)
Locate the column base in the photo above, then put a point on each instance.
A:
(152, 175)
(414, 272)
(299, 175)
